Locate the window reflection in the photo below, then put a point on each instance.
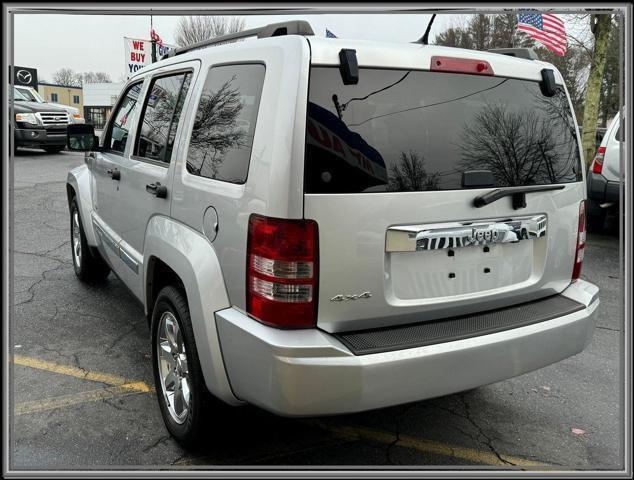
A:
(160, 117)
(421, 130)
(120, 128)
(222, 137)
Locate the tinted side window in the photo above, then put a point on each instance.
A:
(617, 136)
(222, 137)
(160, 116)
(120, 126)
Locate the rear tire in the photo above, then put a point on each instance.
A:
(55, 149)
(88, 264)
(181, 391)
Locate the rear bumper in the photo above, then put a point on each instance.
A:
(39, 137)
(309, 372)
(602, 190)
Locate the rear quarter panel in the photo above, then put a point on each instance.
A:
(274, 185)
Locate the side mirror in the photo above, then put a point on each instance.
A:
(81, 138)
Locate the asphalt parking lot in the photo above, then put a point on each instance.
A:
(82, 380)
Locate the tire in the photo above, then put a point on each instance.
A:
(88, 264)
(185, 420)
(595, 219)
(55, 149)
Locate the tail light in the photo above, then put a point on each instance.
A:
(581, 242)
(282, 271)
(597, 163)
(460, 65)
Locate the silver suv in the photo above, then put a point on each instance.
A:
(319, 226)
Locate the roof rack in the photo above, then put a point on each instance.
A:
(527, 53)
(294, 27)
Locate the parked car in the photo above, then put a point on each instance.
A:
(74, 115)
(604, 176)
(38, 125)
(321, 226)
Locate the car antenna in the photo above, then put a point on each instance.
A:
(425, 36)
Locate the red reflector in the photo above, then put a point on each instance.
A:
(282, 271)
(597, 163)
(460, 65)
(581, 242)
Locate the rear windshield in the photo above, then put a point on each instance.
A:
(400, 130)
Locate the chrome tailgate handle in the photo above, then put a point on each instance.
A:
(413, 238)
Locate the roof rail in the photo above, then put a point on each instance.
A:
(293, 27)
(527, 53)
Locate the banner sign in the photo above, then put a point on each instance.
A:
(138, 54)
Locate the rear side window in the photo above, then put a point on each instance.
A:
(618, 136)
(222, 137)
(161, 113)
(120, 127)
(400, 130)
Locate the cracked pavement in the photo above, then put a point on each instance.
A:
(101, 328)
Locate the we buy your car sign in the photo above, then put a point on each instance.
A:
(138, 53)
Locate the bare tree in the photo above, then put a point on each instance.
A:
(483, 32)
(67, 77)
(95, 77)
(518, 146)
(480, 29)
(216, 129)
(195, 29)
(410, 175)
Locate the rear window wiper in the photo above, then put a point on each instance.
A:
(518, 193)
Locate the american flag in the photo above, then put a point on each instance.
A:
(329, 34)
(155, 37)
(546, 28)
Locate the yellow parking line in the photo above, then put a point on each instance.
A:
(36, 406)
(120, 386)
(423, 445)
(69, 371)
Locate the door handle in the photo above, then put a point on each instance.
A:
(156, 189)
(114, 174)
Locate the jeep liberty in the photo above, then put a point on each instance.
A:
(318, 226)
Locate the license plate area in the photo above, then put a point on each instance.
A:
(450, 261)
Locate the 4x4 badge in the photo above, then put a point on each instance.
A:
(341, 298)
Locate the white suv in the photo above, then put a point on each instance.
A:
(320, 226)
(604, 176)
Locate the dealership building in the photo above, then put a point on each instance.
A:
(54, 93)
(99, 98)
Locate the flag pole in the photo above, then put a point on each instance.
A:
(152, 39)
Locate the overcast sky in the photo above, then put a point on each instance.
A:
(95, 42)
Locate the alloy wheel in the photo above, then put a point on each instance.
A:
(173, 369)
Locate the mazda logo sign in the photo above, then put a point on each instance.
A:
(24, 76)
